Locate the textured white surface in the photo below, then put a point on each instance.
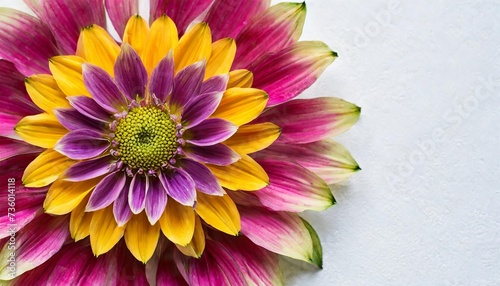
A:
(425, 210)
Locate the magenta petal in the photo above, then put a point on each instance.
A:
(203, 178)
(10, 148)
(187, 85)
(67, 18)
(211, 132)
(183, 12)
(73, 120)
(200, 109)
(121, 208)
(172, 276)
(180, 186)
(88, 107)
(89, 169)
(82, 144)
(236, 12)
(106, 192)
(137, 193)
(13, 91)
(120, 12)
(103, 89)
(156, 200)
(9, 121)
(130, 74)
(26, 42)
(218, 154)
(162, 78)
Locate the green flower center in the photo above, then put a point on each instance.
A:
(146, 138)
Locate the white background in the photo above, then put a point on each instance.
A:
(425, 210)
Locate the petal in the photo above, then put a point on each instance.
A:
(162, 38)
(221, 58)
(88, 107)
(180, 186)
(97, 47)
(104, 232)
(7, 128)
(200, 109)
(103, 89)
(196, 247)
(310, 120)
(187, 84)
(194, 46)
(218, 154)
(204, 180)
(66, 19)
(171, 277)
(82, 144)
(286, 74)
(120, 11)
(86, 170)
(181, 11)
(137, 193)
(73, 120)
(293, 188)
(67, 71)
(251, 138)
(10, 148)
(178, 223)
(63, 196)
(79, 223)
(216, 83)
(25, 41)
(219, 212)
(41, 130)
(156, 200)
(136, 33)
(210, 132)
(13, 88)
(240, 78)
(162, 79)
(45, 169)
(106, 191)
(130, 74)
(246, 174)
(241, 105)
(236, 12)
(141, 237)
(121, 208)
(275, 29)
(45, 93)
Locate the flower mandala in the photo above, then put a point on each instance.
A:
(175, 156)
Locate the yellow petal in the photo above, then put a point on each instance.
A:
(219, 212)
(246, 175)
(241, 105)
(79, 223)
(136, 33)
(162, 38)
(194, 46)
(253, 137)
(42, 130)
(97, 47)
(64, 196)
(196, 247)
(177, 223)
(45, 92)
(221, 58)
(67, 71)
(240, 78)
(141, 237)
(45, 169)
(104, 231)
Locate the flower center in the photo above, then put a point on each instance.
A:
(147, 138)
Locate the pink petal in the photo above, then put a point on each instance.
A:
(182, 12)
(167, 273)
(130, 74)
(103, 89)
(211, 132)
(10, 148)
(106, 192)
(13, 90)
(8, 122)
(120, 12)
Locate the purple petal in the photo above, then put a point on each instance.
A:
(200, 109)
(187, 84)
(162, 78)
(218, 154)
(26, 42)
(102, 88)
(73, 120)
(82, 144)
(9, 121)
(88, 107)
(156, 200)
(121, 208)
(236, 12)
(130, 74)
(211, 132)
(89, 169)
(120, 12)
(215, 83)
(182, 12)
(203, 178)
(106, 192)
(137, 193)
(180, 186)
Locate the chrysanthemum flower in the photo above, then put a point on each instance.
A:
(177, 155)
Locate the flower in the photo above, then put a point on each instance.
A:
(177, 156)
